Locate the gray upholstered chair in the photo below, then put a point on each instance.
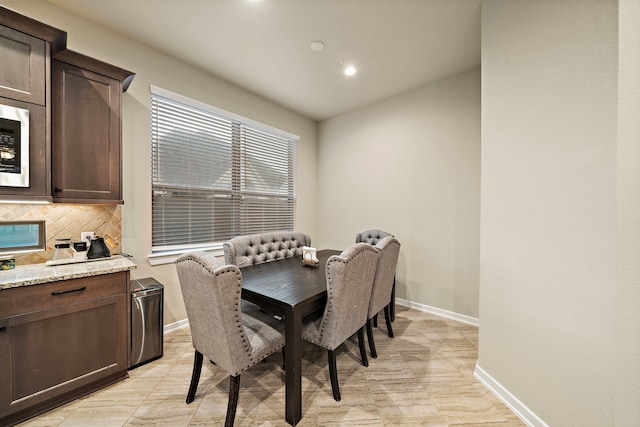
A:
(371, 236)
(258, 248)
(349, 282)
(389, 248)
(220, 330)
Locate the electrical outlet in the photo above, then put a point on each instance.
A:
(86, 236)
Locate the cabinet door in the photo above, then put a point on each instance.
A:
(54, 355)
(22, 74)
(86, 153)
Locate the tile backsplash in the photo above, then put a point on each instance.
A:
(67, 221)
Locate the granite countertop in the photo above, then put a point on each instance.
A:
(35, 274)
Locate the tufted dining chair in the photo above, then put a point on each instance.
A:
(220, 330)
(258, 248)
(349, 282)
(371, 236)
(389, 248)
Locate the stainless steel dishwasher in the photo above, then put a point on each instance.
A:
(147, 318)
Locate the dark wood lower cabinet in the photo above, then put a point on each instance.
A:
(69, 339)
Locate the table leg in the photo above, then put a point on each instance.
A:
(293, 367)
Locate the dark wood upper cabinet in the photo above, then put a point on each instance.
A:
(86, 129)
(25, 71)
(74, 104)
(25, 48)
(56, 38)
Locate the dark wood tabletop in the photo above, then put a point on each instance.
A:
(292, 290)
(287, 283)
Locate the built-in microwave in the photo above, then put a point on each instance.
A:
(14, 146)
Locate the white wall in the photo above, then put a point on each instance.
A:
(410, 165)
(548, 263)
(627, 396)
(154, 68)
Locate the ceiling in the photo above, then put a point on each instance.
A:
(264, 45)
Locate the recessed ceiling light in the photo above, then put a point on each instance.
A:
(349, 70)
(317, 45)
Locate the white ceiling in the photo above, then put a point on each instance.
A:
(264, 45)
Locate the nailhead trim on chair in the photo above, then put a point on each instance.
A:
(329, 295)
(236, 309)
(212, 266)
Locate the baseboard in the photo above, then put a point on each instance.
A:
(512, 402)
(438, 312)
(176, 325)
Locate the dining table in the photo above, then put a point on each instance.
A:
(292, 290)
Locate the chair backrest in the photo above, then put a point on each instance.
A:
(258, 248)
(211, 293)
(389, 248)
(371, 236)
(349, 282)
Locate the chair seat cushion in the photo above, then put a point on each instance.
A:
(260, 314)
(311, 332)
(265, 334)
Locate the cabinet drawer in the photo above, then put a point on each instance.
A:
(27, 299)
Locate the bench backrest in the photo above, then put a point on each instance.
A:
(258, 248)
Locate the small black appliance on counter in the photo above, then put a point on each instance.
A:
(98, 249)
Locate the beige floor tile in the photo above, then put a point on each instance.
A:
(50, 419)
(162, 413)
(423, 377)
(433, 421)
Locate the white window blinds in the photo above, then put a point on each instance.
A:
(216, 175)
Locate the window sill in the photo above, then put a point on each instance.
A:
(169, 257)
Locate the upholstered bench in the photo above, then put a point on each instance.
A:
(258, 248)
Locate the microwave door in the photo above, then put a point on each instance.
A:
(14, 146)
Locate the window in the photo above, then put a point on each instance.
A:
(22, 236)
(216, 175)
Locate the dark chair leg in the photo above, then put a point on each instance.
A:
(284, 361)
(333, 374)
(234, 391)
(363, 351)
(375, 320)
(195, 377)
(387, 318)
(372, 345)
(392, 309)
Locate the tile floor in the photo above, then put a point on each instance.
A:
(422, 377)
